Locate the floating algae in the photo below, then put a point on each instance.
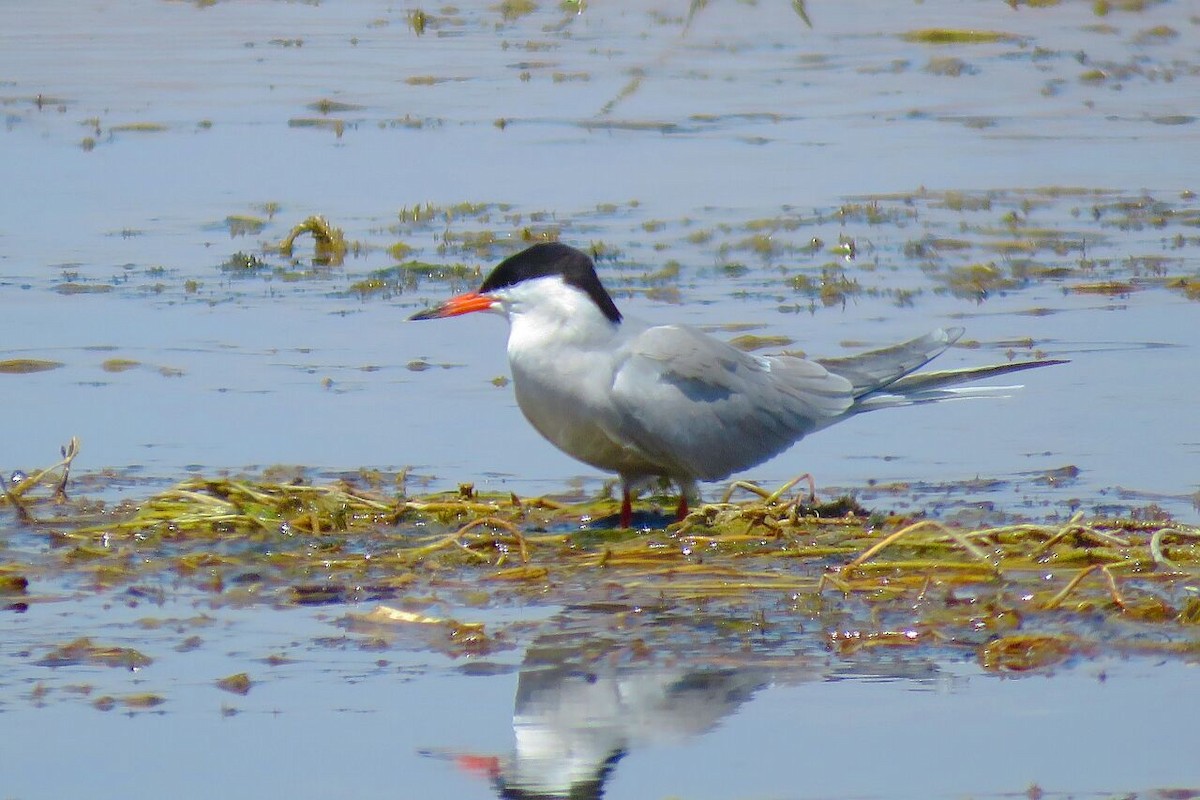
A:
(354, 540)
(239, 683)
(329, 242)
(957, 36)
(26, 366)
(139, 127)
(85, 651)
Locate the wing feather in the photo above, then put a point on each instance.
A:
(877, 369)
(704, 409)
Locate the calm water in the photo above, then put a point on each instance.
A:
(332, 710)
(1067, 147)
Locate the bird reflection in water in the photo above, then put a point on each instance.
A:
(572, 723)
(590, 691)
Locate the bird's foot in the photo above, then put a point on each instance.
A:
(681, 511)
(626, 510)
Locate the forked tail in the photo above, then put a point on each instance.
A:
(888, 377)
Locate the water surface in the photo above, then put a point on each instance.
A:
(1036, 188)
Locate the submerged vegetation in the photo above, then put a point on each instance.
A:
(957, 36)
(329, 243)
(1047, 244)
(1018, 596)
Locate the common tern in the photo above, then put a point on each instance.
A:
(577, 715)
(649, 401)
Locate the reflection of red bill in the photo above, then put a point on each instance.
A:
(462, 304)
(481, 766)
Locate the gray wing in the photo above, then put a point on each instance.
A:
(704, 409)
(877, 369)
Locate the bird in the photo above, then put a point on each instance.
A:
(670, 401)
(578, 713)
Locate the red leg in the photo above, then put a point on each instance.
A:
(681, 510)
(626, 510)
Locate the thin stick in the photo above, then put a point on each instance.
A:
(1072, 525)
(1056, 601)
(69, 452)
(1113, 589)
(1156, 545)
(888, 540)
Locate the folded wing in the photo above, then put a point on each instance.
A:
(704, 409)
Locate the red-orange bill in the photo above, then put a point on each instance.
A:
(462, 304)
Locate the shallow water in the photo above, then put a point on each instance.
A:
(745, 117)
(1059, 157)
(369, 716)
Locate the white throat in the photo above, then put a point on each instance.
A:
(548, 314)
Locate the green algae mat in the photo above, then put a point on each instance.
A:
(1019, 596)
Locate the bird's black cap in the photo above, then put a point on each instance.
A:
(547, 259)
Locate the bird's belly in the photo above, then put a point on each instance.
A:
(577, 428)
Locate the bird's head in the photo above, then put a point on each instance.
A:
(547, 280)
